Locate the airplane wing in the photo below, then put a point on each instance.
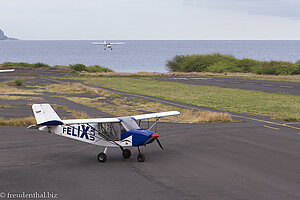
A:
(117, 43)
(155, 115)
(46, 116)
(107, 120)
(7, 70)
(103, 120)
(86, 121)
(98, 43)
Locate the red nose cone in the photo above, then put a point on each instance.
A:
(155, 135)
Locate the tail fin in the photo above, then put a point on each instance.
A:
(45, 115)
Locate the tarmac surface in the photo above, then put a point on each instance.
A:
(200, 161)
(257, 158)
(284, 87)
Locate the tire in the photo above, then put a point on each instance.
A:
(102, 157)
(126, 153)
(141, 157)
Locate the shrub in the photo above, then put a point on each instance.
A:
(18, 82)
(224, 66)
(200, 63)
(218, 63)
(21, 64)
(277, 68)
(39, 65)
(174, 64)
(195, 62)
(248, 65)
(97, 68)
(296, 69)
(78, 67)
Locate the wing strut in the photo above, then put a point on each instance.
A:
(102, 135)
(106, 136)
(154, 124)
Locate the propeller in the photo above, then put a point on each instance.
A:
(152, 138)
(159, 144)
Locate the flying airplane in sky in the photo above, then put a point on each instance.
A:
(107, 45)
(7, 70)
(122, 132)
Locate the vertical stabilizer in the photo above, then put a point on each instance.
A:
(44, 113)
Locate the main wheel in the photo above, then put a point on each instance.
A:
(102, 157)
(141, 157)
(126, 153)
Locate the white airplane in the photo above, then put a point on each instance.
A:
(119, 132)
(7, 70)
(107, 45)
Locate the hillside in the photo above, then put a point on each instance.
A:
(4, 37)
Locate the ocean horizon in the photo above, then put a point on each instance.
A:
(141, 55)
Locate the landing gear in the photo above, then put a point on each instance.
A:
(102, 157)
(126, 153)
(140, 156)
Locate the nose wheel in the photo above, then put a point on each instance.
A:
(126, 153)
(140, 157)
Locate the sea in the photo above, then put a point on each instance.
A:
(141, 55)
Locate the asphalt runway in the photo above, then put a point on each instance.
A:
(284, 87)
(200, 161)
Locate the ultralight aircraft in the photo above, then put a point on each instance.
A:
(122, 132)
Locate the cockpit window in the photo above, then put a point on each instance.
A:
(129, 123)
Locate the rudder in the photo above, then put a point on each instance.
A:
(44, 113)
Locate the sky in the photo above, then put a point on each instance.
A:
(151, 19)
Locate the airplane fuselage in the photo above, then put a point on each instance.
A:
(89, 134)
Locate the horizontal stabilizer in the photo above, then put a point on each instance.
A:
(47, 123)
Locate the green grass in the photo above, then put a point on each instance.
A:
(279, 106)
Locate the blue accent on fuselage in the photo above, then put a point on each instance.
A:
(139, 136)
(51, 123)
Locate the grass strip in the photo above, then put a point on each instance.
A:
(12, 97)
(119, 105)
(23, 121)
(280, 106)
(76, 88)
(122, 108)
